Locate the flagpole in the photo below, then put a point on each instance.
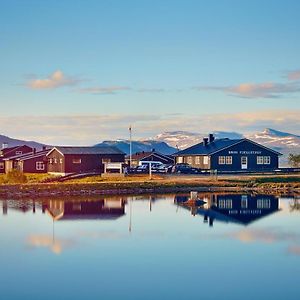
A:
(130, 146)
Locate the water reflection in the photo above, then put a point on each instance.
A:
(112, 247)
(229, 208)
(60, 210)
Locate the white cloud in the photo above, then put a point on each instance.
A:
(257, 90)
(55, 80)
(103, 90)
(293, 75)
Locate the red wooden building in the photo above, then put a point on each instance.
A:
(69, 160)
(12, 151)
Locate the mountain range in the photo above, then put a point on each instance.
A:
(170, 142)
(10, 142)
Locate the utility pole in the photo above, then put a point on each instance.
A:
(130, 146)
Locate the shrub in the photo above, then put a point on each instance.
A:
(16, 176)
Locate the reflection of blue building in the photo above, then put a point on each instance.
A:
(234, 208)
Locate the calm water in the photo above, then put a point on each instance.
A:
(151, 247)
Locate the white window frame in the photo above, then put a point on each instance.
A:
(205, 160)
(76, 161)
(197, 160)
(189, 160)
(267, 160)
(19, 152)
(60, 160)
(39, 166)
(228, 160)
(260, 160)
(222, 160)
(180, 159)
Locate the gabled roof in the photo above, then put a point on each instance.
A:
(216, 146)
(11, 149)
(144, 155)
(87, 150)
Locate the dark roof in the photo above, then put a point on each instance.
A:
(200, 149)
(6, 151)
(215, 146)
(88, 150)
(29, 155)
(140, 155)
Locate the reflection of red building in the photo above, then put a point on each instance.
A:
(61, 210)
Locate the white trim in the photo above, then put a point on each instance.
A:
(158, 156)
(54, 148)
(246, 140)
(41, 166)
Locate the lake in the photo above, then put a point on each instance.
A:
(221, 246)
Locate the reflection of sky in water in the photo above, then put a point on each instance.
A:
(168, 254)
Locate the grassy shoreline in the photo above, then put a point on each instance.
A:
(97, 185)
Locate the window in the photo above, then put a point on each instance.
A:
(263, 160)
(263, 203)
(189, 160)
(179, 159)
(221, 160)
(197, 160)
(76, 160)
(225, 204)
(205, 160)
(60, 160)
(260, 160)
(1, 165)
(244, 201)
(55, 160)
(39, 165)
(19, 152)
(50, 161)
(106, 160)
(244, 160)
(228, 160)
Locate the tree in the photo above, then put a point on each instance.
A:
(294, 160)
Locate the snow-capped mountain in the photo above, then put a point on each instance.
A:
(276, 139)
(184, 139)
(283, 142)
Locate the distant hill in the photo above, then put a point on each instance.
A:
(139, 146)
(15, 142)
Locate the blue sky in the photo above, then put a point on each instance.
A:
(86, 69)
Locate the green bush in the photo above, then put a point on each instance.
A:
(16, 176)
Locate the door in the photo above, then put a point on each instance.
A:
(244, 162)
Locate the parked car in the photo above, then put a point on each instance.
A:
(185, 169)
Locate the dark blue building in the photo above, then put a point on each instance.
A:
(229, 155)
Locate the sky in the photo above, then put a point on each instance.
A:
(79, 72)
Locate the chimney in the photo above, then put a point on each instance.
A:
(205, 141)
(4, 145)
(34, 150)
(211, 138)
(44, 147)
